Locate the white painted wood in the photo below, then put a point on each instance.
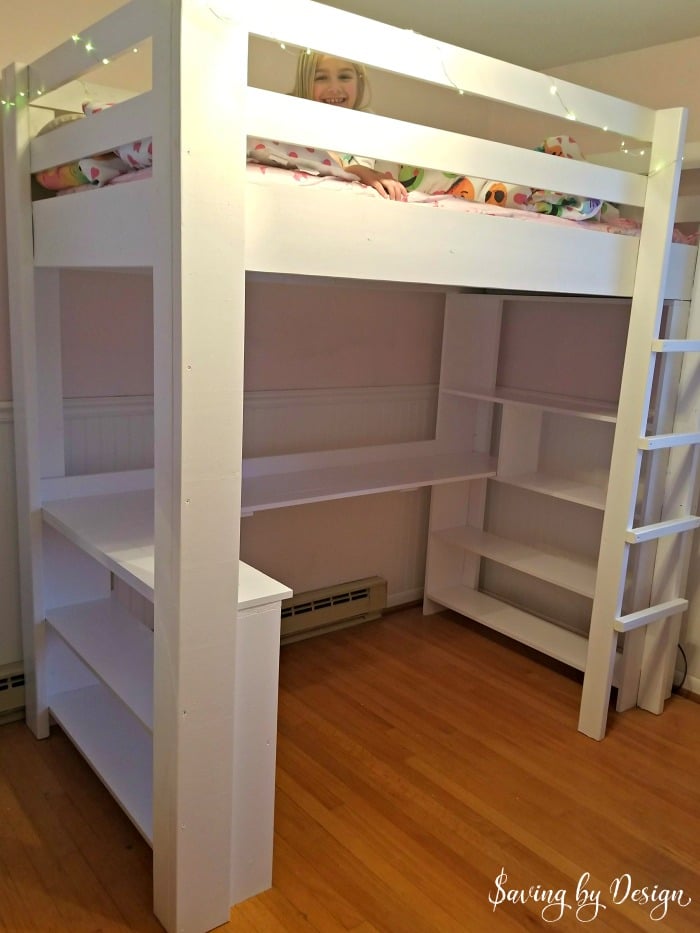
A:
(49, 372)
(470, 340)
(281, 117)
(661, 441)
(647, 303)
(519, 444)
(569, 571)
(102, 132)
(114, 744)
(313, 25)
(71, 96)
(644, 617)
(675, 346)
(671, 526)
(115, 646)
(598, 411)
(673, 554)
(273, 482)
(112, 232)
(116, 530)
(523, 627)
(70, 575)
(254, 742)
(190, 555)
(638, 596)
(100, 484)
(455, 248)
(121, 30)
(557, 486)
(108, 434)
(276, 422)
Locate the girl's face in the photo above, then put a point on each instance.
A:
(335, 82)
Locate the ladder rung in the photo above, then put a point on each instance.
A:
(652, 614)
(660, 441)
(672, 526)
(675, 346)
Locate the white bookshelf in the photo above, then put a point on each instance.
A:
(517, 551)
(100, 685)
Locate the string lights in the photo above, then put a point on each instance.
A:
(24, 97)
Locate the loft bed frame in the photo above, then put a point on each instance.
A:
(198, 722)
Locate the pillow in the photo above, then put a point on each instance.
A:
(135, 155)
(61, 176)
(289, 155)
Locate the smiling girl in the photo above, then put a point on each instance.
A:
(340, 83)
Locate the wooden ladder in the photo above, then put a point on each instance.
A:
(653, 486)
(658, 531)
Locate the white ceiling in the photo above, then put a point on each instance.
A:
(540, 34)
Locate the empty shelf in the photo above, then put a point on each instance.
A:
(582, 408)
(571, 572)
(117, 530)
(115, 646)
(550, 639)
(558, 487)
(114, 744)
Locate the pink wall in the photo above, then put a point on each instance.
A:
(297, 336)
(301, 337)
(107, 334)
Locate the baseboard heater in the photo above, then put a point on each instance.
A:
(333, 607)
(11, 691)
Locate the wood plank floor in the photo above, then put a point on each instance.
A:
(418, 760)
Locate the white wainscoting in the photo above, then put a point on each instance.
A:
(103, 434)
(296, 420)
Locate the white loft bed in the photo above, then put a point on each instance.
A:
(173, 537)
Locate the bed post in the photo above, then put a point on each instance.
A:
(200, 76)
(23, 334)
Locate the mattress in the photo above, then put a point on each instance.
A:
(261, 174)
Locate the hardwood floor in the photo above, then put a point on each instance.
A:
(418, 759)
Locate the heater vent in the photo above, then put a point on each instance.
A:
(333, 607)
(11, 691)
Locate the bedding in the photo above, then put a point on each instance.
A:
(136, 155)
(275, 162)
(261, 173)
(271, 175)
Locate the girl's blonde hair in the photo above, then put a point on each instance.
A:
(307, 65)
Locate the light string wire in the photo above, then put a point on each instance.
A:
(26, 96)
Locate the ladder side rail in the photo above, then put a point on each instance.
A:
(639, 595)
(635, 391)
(20, 280)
